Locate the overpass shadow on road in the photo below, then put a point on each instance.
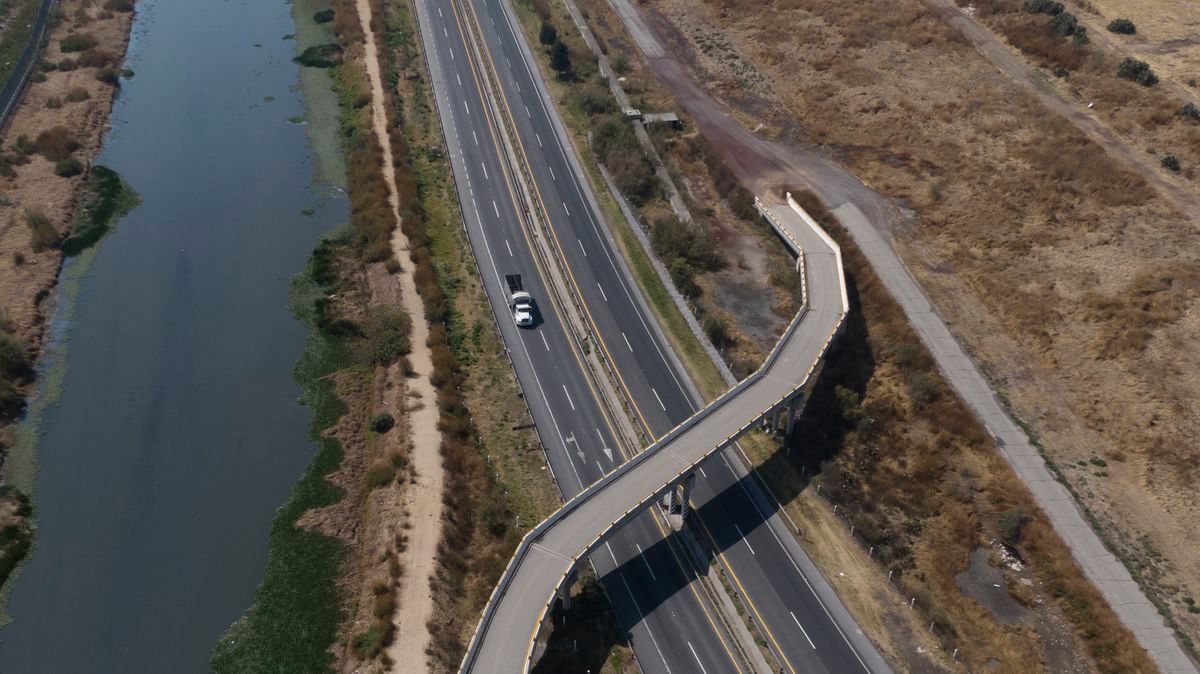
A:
(818, 435)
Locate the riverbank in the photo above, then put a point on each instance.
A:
(53, 204)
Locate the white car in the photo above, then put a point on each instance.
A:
(522, 306)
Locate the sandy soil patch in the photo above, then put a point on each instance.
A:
(1070, 281)
(423, 499)
(26, 276)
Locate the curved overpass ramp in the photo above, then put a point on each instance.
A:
(505, 637)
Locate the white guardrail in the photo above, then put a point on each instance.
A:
(530, 540)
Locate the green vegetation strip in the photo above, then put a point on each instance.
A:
(297, 608)
(107, 197)
(18, 23)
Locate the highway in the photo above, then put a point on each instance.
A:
(670, 626)
(760, 554)
(734, 513)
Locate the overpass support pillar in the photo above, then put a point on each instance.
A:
(793, 411)
(685, 497)
(564, 592)
(668, 501)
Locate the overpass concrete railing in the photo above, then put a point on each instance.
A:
(507, 632)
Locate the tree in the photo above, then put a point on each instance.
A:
(1064, 24)
(1138, 71)
(560, 59)
(1043, 7)
(548, 35)
(1122, 26)
(1171, 163)
(1190, 111)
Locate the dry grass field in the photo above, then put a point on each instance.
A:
(1071, 281)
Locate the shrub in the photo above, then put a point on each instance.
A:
(109, 76)
(1012, 524)
(382, 422)
(560, 59)
(46, 66)
(1122, 26)
(634, 176)
(95, 58)
(53, 103)
(323, 16)
(1171, 163)
(717, 329)
(923, 387)
(379, 475)
(119, 5)
(56, 143)
(1064, 24)
(68, 168)
(547, 35)
(37, 77)
(1137, 71)
(388, 331)
(1190, 111)
(1043, 7)
(67, 65)
(76, 95)
(592, 100)
(320, 56)
(77, 42)
(14, 358)
(43, 234)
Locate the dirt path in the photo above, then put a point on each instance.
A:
(1015, 68)
(423, 497)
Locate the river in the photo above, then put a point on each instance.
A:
(177, 433)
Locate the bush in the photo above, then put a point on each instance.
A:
(547, 35)
(592, 100)
(43, 234)
(1122, 26)
(55, 144)
(1171, 163)
(635, 177)
(560, 59)
(68, 168)
(379, 475)
(1138, 71)
(67, 65)
(53, 103)
(76, 95)
(95, 58)
(388, 332)
(119, 6)
(1064, 24)
(382, 422)
(1043, 7)
(717, 329)
(77, 42)
(1190, 111)
(320, 56)
(14, 359)
(1012, 524)
(46, 66)
(323, 16)
(110, 76)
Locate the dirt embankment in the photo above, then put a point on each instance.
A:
(1072, 282)
(51, 138)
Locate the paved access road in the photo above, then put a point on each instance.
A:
(770, 570)
(670, 627)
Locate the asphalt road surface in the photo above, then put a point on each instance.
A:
(670, 628)
(730, 512)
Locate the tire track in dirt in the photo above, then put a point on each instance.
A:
(423, 496)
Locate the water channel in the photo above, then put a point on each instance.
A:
(177, 433)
